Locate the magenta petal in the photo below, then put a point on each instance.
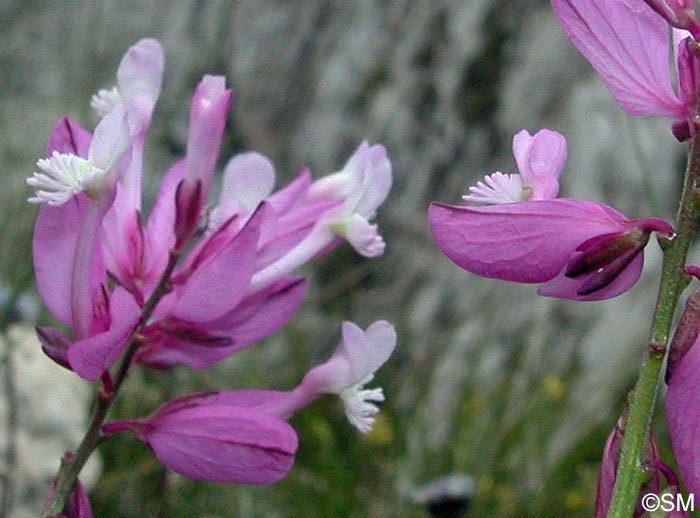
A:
(524, 242)
(92, 356)
(69, 137)
(683, 417)
(261, 314)
(257, 316)
(221, 281)
(607, 33)
(53, 250)
(54, 344)
(221, 443)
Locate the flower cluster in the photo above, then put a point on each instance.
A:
(193, 285)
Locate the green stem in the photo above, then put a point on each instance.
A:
(630, 473)
(72, 464)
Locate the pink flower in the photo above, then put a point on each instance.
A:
(206, 440)
(226, 290)
(241, 437)
(576, 249)
(608, 33)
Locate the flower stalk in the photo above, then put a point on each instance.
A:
(72, 463)
(631, 474)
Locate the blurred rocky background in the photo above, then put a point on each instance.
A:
(489, 381)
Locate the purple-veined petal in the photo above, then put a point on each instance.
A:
(54, 344)
(257, 316)
(262, 313)
(221, 281)
(160, 229)
(609, 33)
(524, 242)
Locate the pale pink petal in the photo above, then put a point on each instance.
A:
(609, 34)
(359, 354)
(110, 139)
(540, 159)
(248, 180)
(364, 237)
(293, 194)
(140, 73)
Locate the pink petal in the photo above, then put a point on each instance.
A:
(123, 246)
(208, 113)
(257, 316)
(608, 33)
(261, 314)
(160, 230)
(222, 443)
(53, 251)
(540, 159)
(293, 195)
(220, 283)
(683, 417)
(524, 242)
(111, 139)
